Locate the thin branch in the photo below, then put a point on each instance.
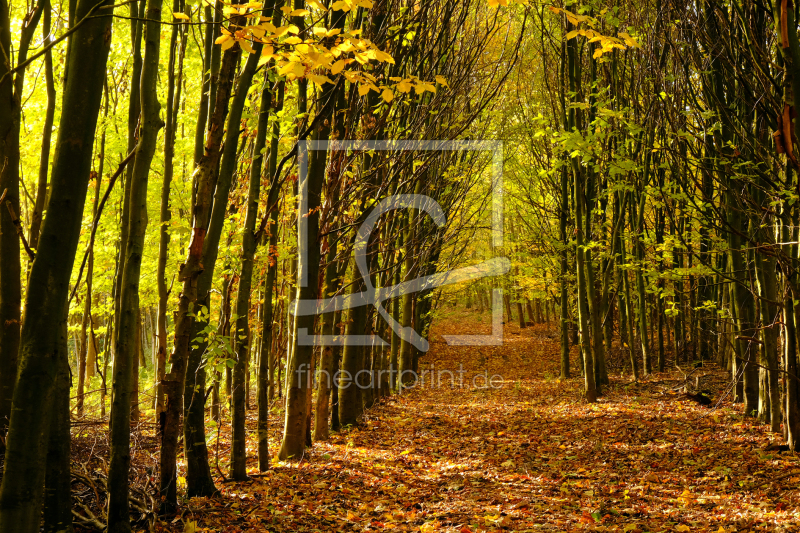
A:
(96, 220)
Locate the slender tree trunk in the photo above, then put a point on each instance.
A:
(173, 98)
(243, 331)
(173, 383)
(267, 357)
(10, 266)
(564, 263)
(87, 310)
(45, 303)
(299, 377)
(198, 473)
(135, 365)
(47, 131)
(129, 333)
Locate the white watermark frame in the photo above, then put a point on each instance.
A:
(375, 296)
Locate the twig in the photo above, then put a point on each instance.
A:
(100, 207)
(790, 474)
(90, 521)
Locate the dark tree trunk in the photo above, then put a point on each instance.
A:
(242, 331)
(129, 338)
(57, 515)
(45, 304)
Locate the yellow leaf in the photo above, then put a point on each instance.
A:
(337, 67)
(498, 3)
(683, 527)
(441, 80)
(246, 46)
(340, 6)
(292, 67)
(572, 34)
(319, 80)
(182, 16)
(383, 56)
(362, 90)
(405, 452)
(317, 4)
(630, 41)
(293, 40)
(222, 38)
(227, 44)
(404, 86)
(299, 13)
(387, 95)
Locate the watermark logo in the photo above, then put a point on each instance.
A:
(427, 378)
(375, 296)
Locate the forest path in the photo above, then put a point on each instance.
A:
(530, 455)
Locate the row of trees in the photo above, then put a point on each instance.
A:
(662, 201)
(184, 126)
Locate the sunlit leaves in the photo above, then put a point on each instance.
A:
(323, 51)
(606, 43)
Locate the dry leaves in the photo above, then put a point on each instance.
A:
(529, 456)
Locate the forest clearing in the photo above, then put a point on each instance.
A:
(440, 265)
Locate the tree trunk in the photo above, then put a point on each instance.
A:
(165, 215)
(190, 271)
(48, 290)
(243, 332)
(47, 131)
(129, 331)
(299, 377)
(10, 267)
(57, 515)
(198, 473)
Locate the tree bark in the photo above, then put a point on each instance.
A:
(173, 383)
(57, 515)
(23, 478)
(128, 338)
(242, 331)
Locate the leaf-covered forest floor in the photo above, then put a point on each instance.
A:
(530, 455)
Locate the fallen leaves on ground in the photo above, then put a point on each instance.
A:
(529, 455)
